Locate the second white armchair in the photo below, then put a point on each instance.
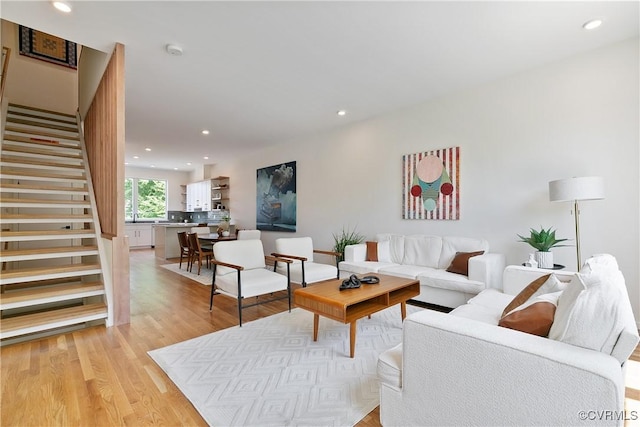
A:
(304, 269)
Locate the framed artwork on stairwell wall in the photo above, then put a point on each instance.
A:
(276, 202)
(45, 47)
(431, 184)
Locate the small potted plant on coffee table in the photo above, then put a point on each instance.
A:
(543, 241)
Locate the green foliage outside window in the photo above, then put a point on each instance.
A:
(147, 198)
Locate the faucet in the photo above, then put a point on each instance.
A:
(135, 216)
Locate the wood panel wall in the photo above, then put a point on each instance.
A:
(104, 137)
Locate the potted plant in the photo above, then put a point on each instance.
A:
(543, 241)
(345, 238)
(223, 225)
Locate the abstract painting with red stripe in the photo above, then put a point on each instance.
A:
(431, 184)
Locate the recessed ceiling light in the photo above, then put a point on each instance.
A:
(147, 149)
(175, 169)
(153, 166)
(592, 25)
(126, 163)
(136, 157)
(206, 157)
(62, 6)
(205, 132)
(342, 113)
(189, 164)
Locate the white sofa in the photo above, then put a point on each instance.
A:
(426, 258)
(462, 368)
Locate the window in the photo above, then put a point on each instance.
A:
(147, 198)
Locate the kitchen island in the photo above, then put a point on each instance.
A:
(166, 238)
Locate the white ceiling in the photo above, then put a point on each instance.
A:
(259, 73)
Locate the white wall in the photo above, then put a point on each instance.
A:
(174, 180)
(91, 66)
(577, 117)
(37, 83)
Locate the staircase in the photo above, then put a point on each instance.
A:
(51, 280)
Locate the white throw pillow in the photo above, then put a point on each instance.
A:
(590, 311)
(600, 262)
(384, 251)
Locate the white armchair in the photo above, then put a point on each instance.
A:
(303, 269)
(248, 234)
(239, 271)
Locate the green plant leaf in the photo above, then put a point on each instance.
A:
(345, 238)
(542, 240)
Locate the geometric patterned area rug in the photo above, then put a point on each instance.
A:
(271, 372)
(205, 276)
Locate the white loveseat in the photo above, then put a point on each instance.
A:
(426, 258)
(462, 368)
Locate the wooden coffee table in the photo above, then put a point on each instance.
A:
(347, 306)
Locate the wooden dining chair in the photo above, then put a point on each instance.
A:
(185, 250)
(198, 252)
(203, 230)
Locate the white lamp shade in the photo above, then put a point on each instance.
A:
(583, 188)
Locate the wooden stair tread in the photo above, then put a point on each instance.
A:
(55, 250)
(73, 128)
(53, 317)
(35, 163)
(39, 283)
(62, 119)
(39, 132)
(42, 110)
(18, 149)
(42, 142)
(71, 268)
(50, 292)
(38, 174)
(44, 187)
(28, 233)
(8, 200)
(46, 217)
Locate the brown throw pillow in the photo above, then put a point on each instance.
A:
(533, 317)
(460, 263)
(372, 251)
(526, 293)
(536, 319)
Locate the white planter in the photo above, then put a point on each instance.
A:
(545, 259)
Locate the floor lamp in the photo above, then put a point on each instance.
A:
(575, 190)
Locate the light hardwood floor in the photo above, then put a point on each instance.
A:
(103, 376)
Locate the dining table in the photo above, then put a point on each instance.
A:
(215, 237)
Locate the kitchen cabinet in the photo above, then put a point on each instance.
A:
(139, 235)
(191, 197)
(208, 195)
(198, 197)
